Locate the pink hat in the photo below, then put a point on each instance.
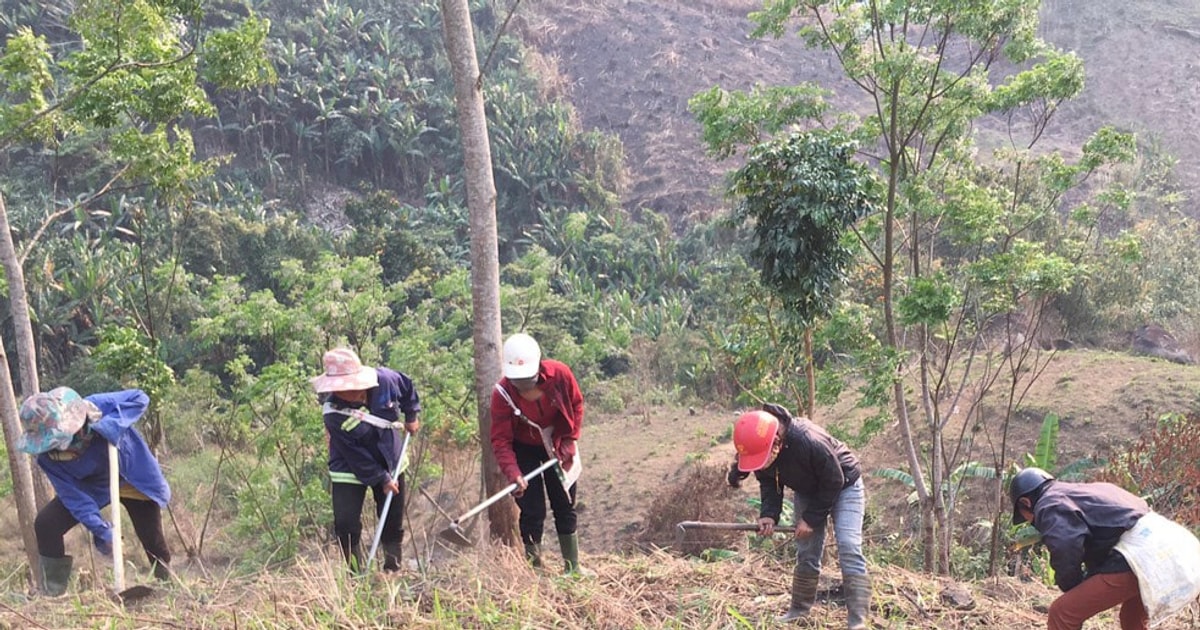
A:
(344, 372)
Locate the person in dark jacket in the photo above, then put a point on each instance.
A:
(364, 452)
(70, 435)
(1081, 524)
(825, 476)
(538, 396)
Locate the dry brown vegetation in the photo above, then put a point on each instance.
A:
(494, 588)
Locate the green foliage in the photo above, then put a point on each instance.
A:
(953, 487)
(26, 85)
(730, 120)
(803, 192)
(281, 496)
(234, 57)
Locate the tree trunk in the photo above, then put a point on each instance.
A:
(811, 368)
(485, 252)
(18, 465)
(23, 330)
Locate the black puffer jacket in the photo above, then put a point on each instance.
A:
(1080, 523)
(814, 464)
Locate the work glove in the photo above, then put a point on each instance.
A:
(735, 476)
(104, 543)
(785, 417)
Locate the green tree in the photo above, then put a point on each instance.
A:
(135, 69)
(959, 242)
(803, 192)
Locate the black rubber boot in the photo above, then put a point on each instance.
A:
(804, 594)
(162, 570)
(858, 600)
(56, 573)
(392, 555)
(533, 554)
(569, 543)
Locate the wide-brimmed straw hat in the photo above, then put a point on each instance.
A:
(344, 372)
(50, 419)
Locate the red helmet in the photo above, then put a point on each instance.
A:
(753, 435)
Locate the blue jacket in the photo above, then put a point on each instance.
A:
(363, 453)
(82, 483)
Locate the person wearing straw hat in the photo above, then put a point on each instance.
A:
(536, 396)
(69, 434)
(788, 452)
(363, 454)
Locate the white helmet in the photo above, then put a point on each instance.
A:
(522, 356)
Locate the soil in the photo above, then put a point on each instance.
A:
(1103, 401)
(631, 66)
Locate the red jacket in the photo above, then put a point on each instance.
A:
(561, 407)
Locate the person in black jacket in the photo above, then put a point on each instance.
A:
(1080, 524)
(786, 452)
(364, 452)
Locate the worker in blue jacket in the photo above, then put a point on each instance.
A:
(70, 435)
(363, 454)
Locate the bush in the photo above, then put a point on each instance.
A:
(1163, 465)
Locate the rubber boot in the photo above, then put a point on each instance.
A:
(355, 559)
(162, 570)
(570, 551)
(533, 554)
(858, 600)
(804, 594)
(392, 555)
(56, 572)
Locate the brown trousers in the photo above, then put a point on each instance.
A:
(1096, 595)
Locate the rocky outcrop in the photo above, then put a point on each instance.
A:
(1153, 340)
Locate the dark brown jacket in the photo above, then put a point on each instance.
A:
(815, 465)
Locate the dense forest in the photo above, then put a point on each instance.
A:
(203, 197)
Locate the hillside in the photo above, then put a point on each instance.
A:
(643, 465)
(631, 66)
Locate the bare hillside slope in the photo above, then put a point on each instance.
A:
(633, 64)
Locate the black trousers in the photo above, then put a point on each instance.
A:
(54, 520)
(347, 521)
(533, 502)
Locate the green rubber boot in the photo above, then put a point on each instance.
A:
(56, 573)
(393, 553)
(570, 551)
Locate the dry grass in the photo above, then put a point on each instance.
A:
(701, 494)
(493, 588)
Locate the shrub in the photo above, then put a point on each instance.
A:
(1163, 465)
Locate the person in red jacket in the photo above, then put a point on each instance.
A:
(536, 407)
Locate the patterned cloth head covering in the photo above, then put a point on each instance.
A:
(50, 419)
(344, 372)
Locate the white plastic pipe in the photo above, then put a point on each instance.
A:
(114, 493)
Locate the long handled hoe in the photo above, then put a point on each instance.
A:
(455, 534)
(387, 503)
(682, 528)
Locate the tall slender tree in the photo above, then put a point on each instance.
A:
(958, 240)
(485, 253)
